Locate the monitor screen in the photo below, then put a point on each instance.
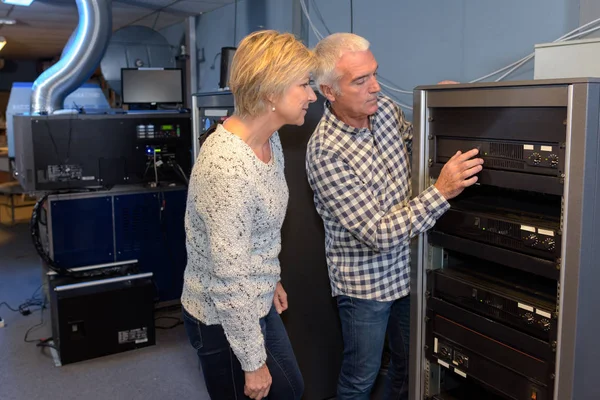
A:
(151, 85)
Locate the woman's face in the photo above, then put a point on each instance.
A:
(293, 105)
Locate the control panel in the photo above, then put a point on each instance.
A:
(152, 131)
(535, 158)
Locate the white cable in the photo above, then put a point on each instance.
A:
(583, 33)
(315, 7)
(305, 11)
(511, 67)
(394, 89)
(564, 38)
(517, 64)
(155, 171)
(577, 29)
(320, 36)
(498, 71)
(516, 67)
(183, 174)
(406, 106)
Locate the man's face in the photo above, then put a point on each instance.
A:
(358, 87)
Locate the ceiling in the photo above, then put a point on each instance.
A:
(43, 29)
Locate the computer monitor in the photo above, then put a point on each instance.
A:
(151, 86)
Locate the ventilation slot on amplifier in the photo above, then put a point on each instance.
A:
(503, 310)
(504, 164)
(513, 151)
(501, 240)
(487, 304)
(504, 228)
(497, 304)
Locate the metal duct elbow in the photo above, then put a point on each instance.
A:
(83, 55)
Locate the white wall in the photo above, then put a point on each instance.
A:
(175, 35)
(423, 42)
(416, 42)
(216, 30)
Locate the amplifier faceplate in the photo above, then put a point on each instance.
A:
(525, 236)
(472, 355)
(526, 157)
(528, 313)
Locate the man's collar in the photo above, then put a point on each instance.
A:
(341, 125)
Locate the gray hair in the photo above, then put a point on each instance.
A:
(329, 50)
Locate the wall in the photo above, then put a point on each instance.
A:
(175, 35)
(424, 42)
(17, 71)
(415, 42)
(216, 30)
(589, 11)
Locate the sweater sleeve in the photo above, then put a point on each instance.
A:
(227, 212)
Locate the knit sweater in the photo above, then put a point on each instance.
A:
(235, 209)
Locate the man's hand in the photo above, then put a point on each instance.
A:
(458, 173)
(258, 383)
(448, 83)
(280, 299)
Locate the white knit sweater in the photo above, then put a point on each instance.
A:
(235, 209)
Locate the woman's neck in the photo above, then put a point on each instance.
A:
(255, 131)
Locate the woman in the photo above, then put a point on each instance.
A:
(236, 204)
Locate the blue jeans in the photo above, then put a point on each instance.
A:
(364, 326)
(222, 371)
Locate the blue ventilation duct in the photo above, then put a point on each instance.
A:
(81, 57)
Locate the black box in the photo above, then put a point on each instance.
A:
(474, 354)
(58, 152)
(94, 317)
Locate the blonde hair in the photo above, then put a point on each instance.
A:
(328, 52)
(265, 64)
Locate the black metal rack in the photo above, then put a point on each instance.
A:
(505, 277)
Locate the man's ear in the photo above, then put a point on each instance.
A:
(328, 92)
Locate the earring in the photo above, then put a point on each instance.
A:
(273, 108)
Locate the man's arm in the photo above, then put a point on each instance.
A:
(351, 202)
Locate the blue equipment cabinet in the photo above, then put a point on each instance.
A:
(82, 231)
(120, 224)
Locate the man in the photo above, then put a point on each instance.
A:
(358, 167)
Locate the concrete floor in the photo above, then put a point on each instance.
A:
(168, 370)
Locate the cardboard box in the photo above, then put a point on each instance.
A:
(22, 205)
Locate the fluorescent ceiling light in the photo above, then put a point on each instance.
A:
(7, 21)
(18, 2)
(2, 42)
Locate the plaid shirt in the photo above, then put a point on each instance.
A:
(362, 188)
